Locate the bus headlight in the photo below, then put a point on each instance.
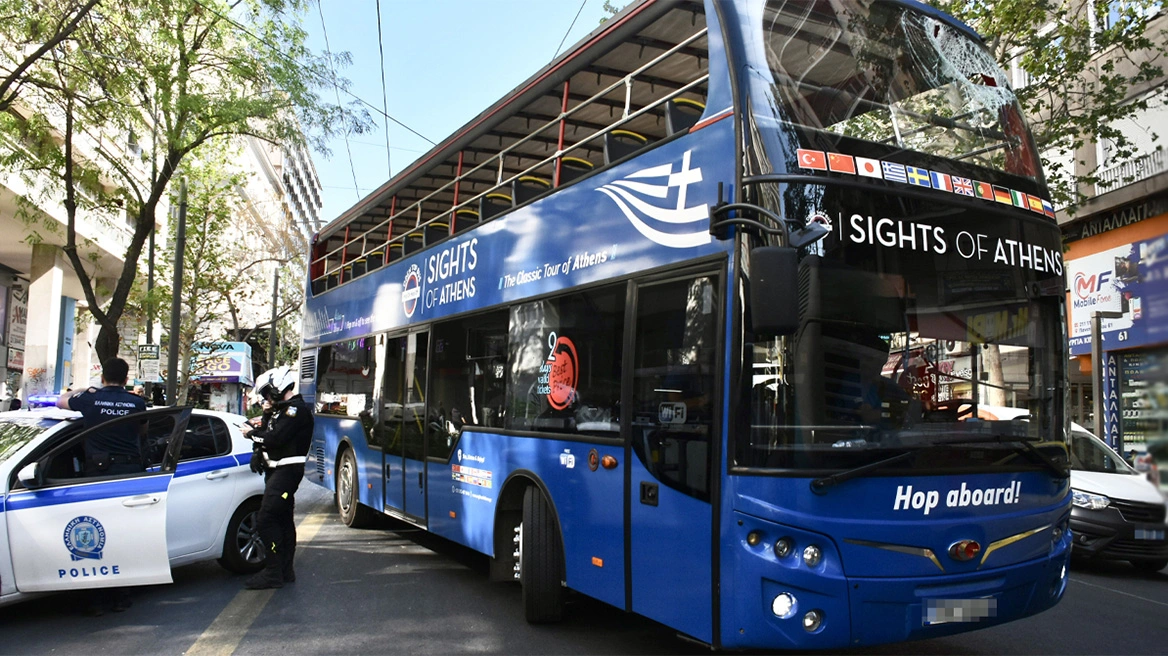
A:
(812, 620)
(784, 606)
(812, 555)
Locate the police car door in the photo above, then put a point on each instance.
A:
(71, 528)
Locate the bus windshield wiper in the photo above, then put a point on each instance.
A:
(820, 485)
(1020, 444)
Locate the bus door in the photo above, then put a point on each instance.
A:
(402, 422)
(675, 449)
(414, 426)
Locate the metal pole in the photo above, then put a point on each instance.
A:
(272, 328)
(180, 244)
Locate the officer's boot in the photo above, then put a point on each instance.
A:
(270, 576)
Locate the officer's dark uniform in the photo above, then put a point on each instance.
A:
(116, 451)
(282, 442)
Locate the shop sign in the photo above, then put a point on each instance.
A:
(1118, 218)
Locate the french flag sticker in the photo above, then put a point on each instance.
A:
(942, 181)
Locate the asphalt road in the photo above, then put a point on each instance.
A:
(398, 590)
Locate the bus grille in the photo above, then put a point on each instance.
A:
(1137, 548)
(319, 455)
(1152, 513)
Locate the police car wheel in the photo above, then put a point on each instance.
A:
(243, 552)
(352, 513)
(541, 560)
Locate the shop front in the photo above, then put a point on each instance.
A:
(1117, 265)
(221, 375)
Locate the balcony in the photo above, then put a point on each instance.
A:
(1132, 171)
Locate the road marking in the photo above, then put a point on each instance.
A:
(229, 628)
(1126, 594)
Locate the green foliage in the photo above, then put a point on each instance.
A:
(140, 87)
(1084, 68)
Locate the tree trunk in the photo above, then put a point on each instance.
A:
(991, 359)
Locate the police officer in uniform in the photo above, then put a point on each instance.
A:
(108, 453)
(114, 451)
(282, 437)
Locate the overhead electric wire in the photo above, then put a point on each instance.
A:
(280, 53)
(569, 29)
(384, 102)
(336, 89)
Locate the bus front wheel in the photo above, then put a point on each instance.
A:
(541, 560)
(352, 513)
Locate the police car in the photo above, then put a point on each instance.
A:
(65, 526)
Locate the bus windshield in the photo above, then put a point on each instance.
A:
(903, 349)
(877, 78)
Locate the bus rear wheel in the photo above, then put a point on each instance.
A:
(541, 560)
(352, 513)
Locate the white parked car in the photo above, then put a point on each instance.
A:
(65, 529)
(1118, 514)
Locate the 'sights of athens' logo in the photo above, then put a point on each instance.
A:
(675, 225)
(411, 289)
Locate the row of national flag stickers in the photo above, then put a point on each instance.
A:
(874, 168)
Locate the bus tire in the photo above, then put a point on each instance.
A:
(349, 507)
(541, 560)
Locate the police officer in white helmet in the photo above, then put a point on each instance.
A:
(282, 437)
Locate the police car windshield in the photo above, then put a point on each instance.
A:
(16, 432)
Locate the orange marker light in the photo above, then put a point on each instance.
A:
(453, 514)
(599, 562)
(608, 462)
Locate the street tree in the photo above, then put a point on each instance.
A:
(30, 35)
(1085, 60)
(187, 73)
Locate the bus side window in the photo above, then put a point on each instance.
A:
(466, 379)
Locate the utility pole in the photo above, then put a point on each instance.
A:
(272, 328)
(180, 245)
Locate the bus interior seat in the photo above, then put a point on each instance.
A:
(574, 167)
(319, 285)
(412, 243)
(494, 203)
(619, 144)
(332, 279)
(681, 114)
(527, 187)
(437, 231)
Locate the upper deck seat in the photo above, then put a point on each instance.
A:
(574, 167)
(681, 114)
(466, 218)
(413, 242)
(527, 187)
(375, 258)
(395, 251)
(357, 268)
(619, 144)
(494, 203)
(437, 231)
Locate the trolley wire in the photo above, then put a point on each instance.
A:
(384, 102)
(569, 29)
(336, 90)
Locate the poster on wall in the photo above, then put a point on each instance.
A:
(1132, 279)
(17, 316)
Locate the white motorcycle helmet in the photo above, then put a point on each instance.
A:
(274, 383)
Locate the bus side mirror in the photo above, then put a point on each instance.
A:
(774, 296)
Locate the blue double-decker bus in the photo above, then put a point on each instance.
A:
(725, 318)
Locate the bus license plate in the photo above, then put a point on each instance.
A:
(1149, 534)
(945, 611)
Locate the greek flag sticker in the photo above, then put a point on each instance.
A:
(85, 538)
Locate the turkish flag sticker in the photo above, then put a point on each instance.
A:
(812, 159)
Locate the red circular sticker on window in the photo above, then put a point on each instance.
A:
(563, 373)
